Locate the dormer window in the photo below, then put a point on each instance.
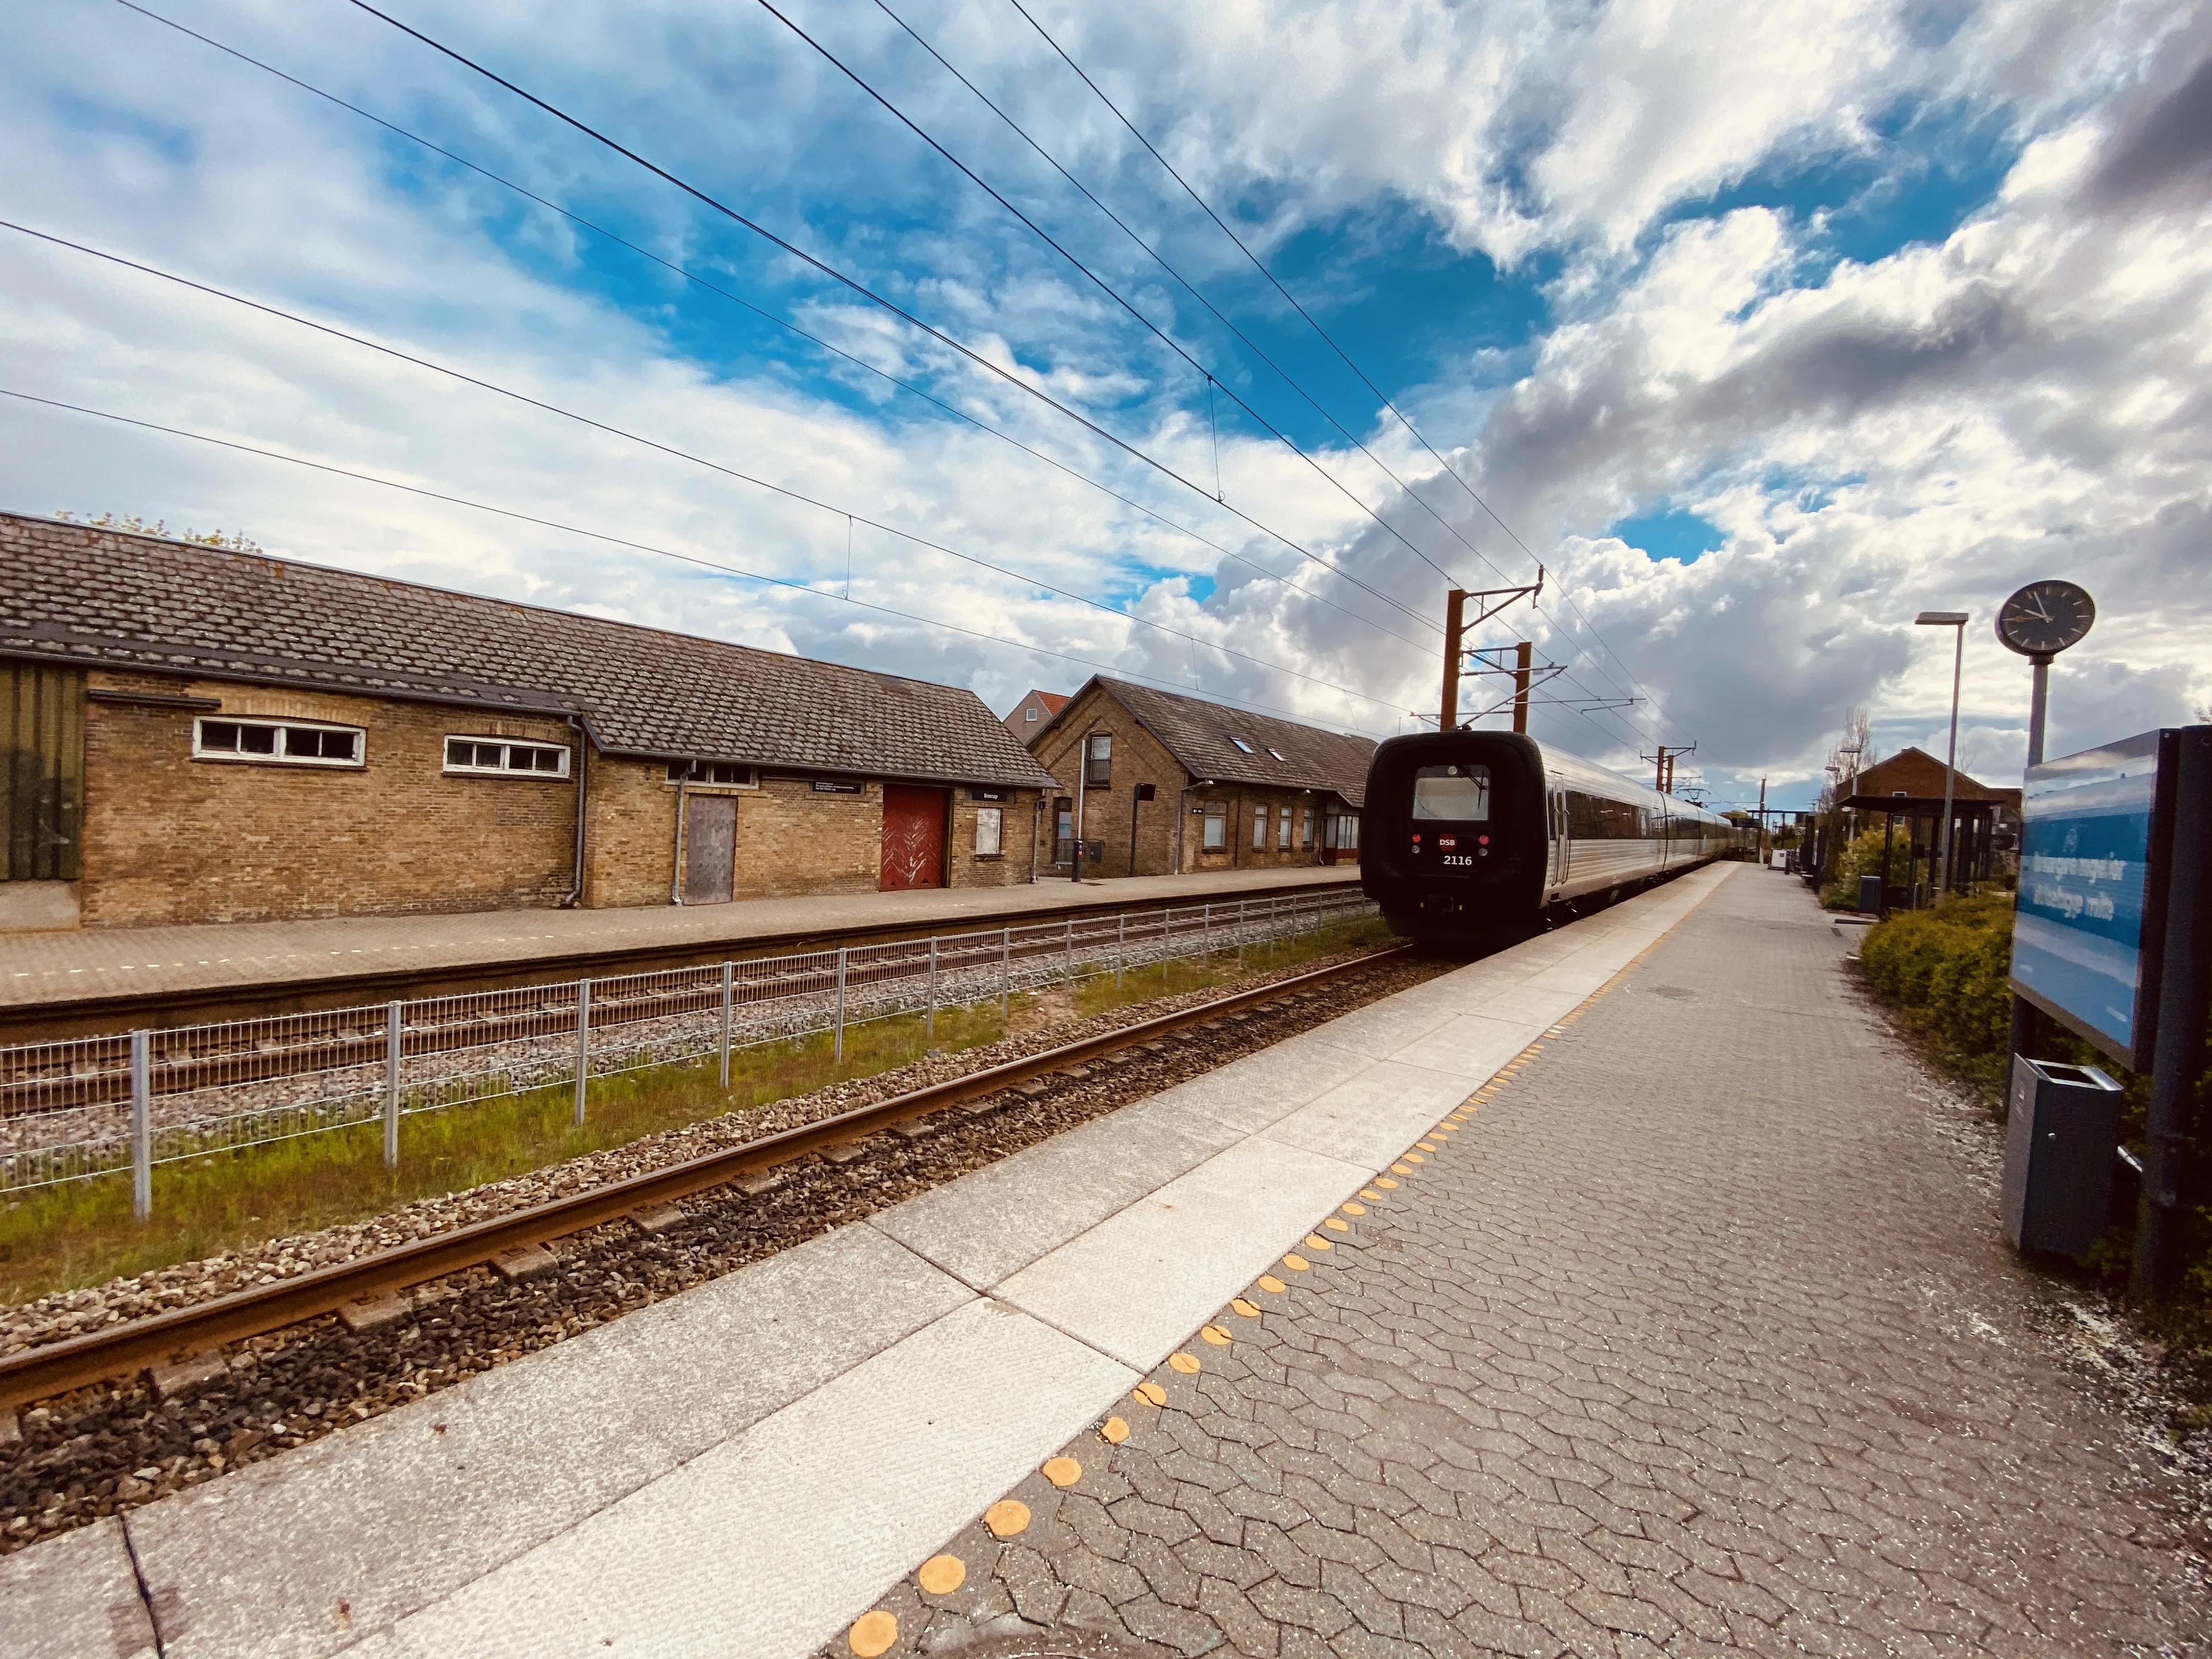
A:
(1243, 747)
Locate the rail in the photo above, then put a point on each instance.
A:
(91, 1107)
(40, 1373)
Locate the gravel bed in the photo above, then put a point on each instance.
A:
(114, 1446)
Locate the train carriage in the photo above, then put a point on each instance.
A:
(1473, 835)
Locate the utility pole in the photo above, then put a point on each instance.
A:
(1763, 850)
(1454, 626)
(1523, 659)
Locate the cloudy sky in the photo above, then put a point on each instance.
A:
(1761, 325)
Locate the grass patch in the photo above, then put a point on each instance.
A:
(82, 1232)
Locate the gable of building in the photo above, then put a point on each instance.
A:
(1215, 743)
(74, 594)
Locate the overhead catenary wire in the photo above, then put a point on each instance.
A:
(427, 494)
(790, 327)
(1313, 322)
(854, 285)
(670, 450)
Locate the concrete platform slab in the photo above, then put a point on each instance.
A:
(1471, 1047)
(1369, 1121)
(394, 1513)
(1140, 1281)
(75, 1597)
(759, 1547)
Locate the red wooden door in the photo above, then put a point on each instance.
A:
(914, 838)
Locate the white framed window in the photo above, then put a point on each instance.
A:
(1029, 713)
(1280, 756)
(1217, 828)
(504, 757)
(990, 830)
(1260, 828)
(280, 743)
(1283, 830)
(1306, 830)
(726, 775)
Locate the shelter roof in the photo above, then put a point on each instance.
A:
(96, 597)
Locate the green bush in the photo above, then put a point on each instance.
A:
(1946, 969)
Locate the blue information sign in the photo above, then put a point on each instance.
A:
(2087, 835)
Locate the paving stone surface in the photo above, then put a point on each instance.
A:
(1698, 1336)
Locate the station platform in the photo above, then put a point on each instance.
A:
(327, 963)
(1664, 1311)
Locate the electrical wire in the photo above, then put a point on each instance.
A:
(1261, 266)
(952, 410)
(850, 517)
(634, 546)
(857, 287)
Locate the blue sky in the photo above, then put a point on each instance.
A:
(1754, 326)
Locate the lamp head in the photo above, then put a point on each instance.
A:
(1940, 619)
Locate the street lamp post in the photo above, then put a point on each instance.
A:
(1956, 619)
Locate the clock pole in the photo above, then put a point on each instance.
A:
(2039, 706)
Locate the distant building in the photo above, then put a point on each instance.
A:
(1027, 718)
(1232, 790)
(188, 734)
(1913, 772)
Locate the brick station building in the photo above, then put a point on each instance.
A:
(192, 734)
(1232, 790)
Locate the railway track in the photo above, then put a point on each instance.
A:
(44, 1372)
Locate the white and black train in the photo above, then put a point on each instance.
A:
(1470, 835)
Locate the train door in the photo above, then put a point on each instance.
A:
(1559, 848)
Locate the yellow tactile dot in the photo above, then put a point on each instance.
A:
(1250, 1309)
(1316, 1242)
(941, 1575)
(873, 1633)
(1350, 1208)
(1114, 1431)
(1373, 1197)
(1415, 1157)
(1336, 1226)
(1385, 1182)
(1151, 1393)
(1006, 1517)
(1186, 1363)
(1272, 1285)
(1425, 1145)
(1062, 1471)
(1215, 1335)
(1296, 1263)
(1403, 1169)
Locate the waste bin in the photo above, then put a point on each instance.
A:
(1870, 896)
(2061, 1138)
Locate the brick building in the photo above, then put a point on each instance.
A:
(1231, 790)
(1914, 772)
(1026, 718)
(192, 734)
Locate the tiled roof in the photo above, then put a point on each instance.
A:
(1198, 735)
(96, 597)
(1052, 702)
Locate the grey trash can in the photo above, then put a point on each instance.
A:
(2061, 1139)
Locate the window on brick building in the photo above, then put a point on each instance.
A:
(1260, 828)
(281, 743)
(1306, 830)
(1216, 827)
(1283, 830)
(1098, 761)
(728, 773)
(498, 758)
(990, 830)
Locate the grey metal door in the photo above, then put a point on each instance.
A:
(710, 848)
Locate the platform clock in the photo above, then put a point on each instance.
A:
(2044, 618)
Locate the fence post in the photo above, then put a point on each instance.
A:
(583, 1044)
(142, 1124)
(391, 1056)
(1067, 956)
(930, 1030)
(1206, 933)
(1120, 939)
(1005, 968)
(729, 988)
(837, 1051)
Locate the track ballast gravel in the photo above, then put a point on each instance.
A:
(115, 1446)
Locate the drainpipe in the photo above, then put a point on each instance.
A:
(676, 865)
(583, 773)
(1037, 817)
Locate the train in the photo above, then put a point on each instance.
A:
(1472, 837)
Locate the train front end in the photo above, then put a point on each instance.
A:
(1453, 844)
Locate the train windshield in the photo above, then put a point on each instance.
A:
(1452, 794)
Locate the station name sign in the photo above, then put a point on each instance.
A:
(2094, 830)
(837, 787)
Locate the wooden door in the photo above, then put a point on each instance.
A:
(914, 838)
(710, 848)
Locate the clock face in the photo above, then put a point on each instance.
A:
(2045, 617)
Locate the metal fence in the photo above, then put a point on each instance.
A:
(97, 1106)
